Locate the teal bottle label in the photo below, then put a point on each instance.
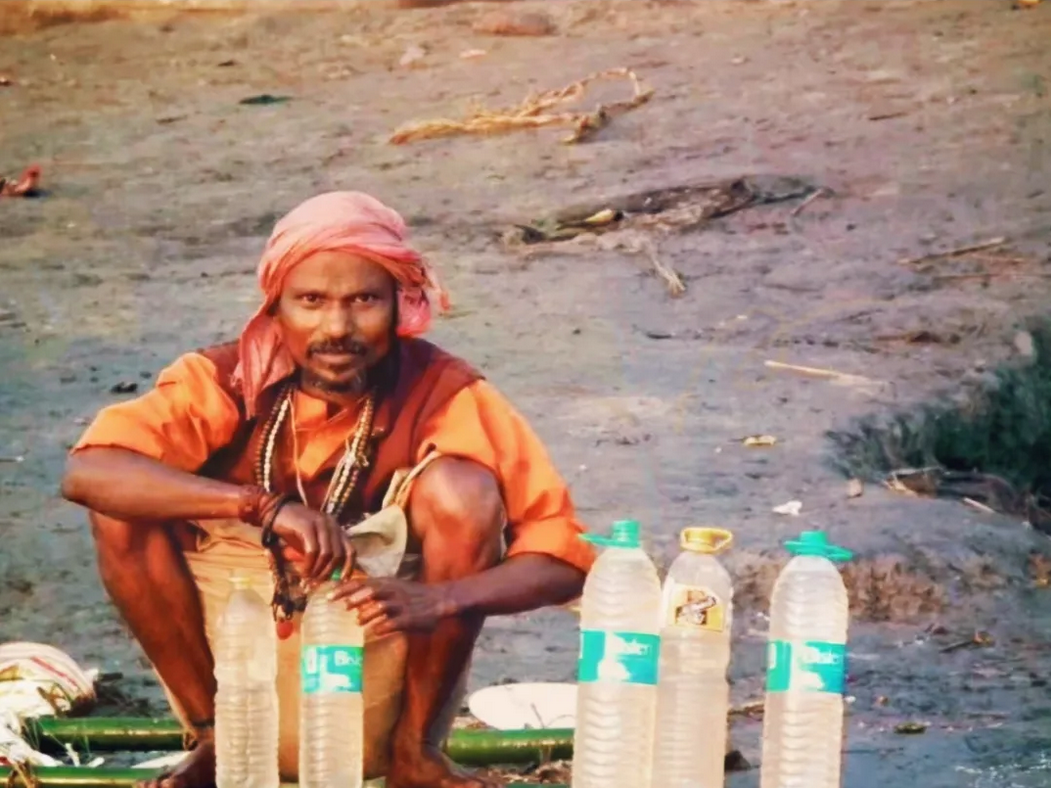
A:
(327, 669)
(622, 657)
(811, 666)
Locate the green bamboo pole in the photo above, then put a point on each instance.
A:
(84, 777)
(139, 734)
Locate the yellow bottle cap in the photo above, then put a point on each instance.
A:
(705, 540)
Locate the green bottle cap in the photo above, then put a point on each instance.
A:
(337, 575)
(816, 543)
(625, 533)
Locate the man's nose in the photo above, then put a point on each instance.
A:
(339, 321)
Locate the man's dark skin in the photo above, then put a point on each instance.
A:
(337, 314)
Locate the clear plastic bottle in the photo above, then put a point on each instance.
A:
(246, 721)
(693, 695)
(331, 710)
(618, 665)
(806, 668)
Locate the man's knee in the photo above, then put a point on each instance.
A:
(458, 500)
(118, 538)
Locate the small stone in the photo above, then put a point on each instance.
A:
(855, 488)
(1023, 342)
(510, 23)
(124, 387)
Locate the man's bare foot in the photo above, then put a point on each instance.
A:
(428, 768)
(197, 770)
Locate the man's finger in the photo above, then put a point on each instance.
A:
(309, 551)
(371, 611)
(323, 559)
(346, 588)
(348, 559)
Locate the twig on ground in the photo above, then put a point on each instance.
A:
(821, 192)
(992, 242)
(818, 372)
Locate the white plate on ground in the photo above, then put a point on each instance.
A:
(516, 706)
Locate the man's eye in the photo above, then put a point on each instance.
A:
(310, 298)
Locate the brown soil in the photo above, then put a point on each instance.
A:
(925, 122)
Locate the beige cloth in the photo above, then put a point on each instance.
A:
(380, 548)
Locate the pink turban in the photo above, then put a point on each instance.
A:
(336, 221)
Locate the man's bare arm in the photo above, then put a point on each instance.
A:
(129, 486)
(516, 585)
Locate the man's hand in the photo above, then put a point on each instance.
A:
(387, 605)
(316, 544)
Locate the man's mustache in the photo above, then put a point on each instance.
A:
(337, 346)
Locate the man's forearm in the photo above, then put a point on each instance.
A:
(129, 486)
(519, 584)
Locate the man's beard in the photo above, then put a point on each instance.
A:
(358, 384)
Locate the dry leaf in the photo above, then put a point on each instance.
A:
(911, 727)
(855, 488)
(414, 54)
(792, 508)
(1040, 569)
(760, 440)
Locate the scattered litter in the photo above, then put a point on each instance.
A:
(471, 54)
(792, 508)
(26, 185)
(6, 81)
(16, 459)
(414, 54)
(911, 727)
(1026, 3)
(511, 23)
(759, 441)
(37, 680)
(855, 489)
(534, 113)
(518, 706)
(227, 63)
(124, 387)
(264, 99)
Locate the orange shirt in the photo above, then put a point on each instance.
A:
(188, 416)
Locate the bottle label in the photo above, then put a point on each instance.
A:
(621, 657)
(693, 607)
(327, 669)
(811, 666)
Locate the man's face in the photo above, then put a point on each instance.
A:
(336, 314)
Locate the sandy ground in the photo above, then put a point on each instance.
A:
(927, 122)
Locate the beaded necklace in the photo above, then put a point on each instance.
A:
(345, 479)
(348, 470)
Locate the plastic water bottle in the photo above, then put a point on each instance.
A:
(618, 665)
(246, 722)
(806, 668)
(331, 710)
(693, 695)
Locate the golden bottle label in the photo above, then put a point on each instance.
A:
(694, 607)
